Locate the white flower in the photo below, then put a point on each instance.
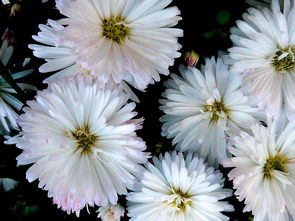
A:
(203, 108)
(264, 52)
(263, 173)
(81, 140)
(123, 39)
(111, 212)
(9, 105)
(62, 58)
(177, 188)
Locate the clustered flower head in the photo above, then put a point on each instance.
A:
(264, 53)
(85, 126)
(202, 108)
(263, 171)
(176, 188)
(122, 39)
(80, 133)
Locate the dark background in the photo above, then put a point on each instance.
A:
(206, 27)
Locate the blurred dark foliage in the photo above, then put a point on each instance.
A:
(206, 27)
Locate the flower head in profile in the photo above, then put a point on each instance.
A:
(177, 188)
(9, 104)
(203, 108)
(111, 212)
(264, 51)
(122, 39)
(81, 140)
(263, 170)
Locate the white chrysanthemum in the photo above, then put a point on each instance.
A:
(111, 212)
(9, 105)
(61, 59)
(123, 39)
(178, 188)
(264, 51)
(204, 108)
(82, 141)
(264, 170)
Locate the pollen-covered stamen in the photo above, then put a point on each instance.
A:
(277, 162)
(179, 200)
(115, 29)
(84, 70)
(217, 109)
(284, 59)
(85, 139)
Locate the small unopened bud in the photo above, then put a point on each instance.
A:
(9, 36)
(191, 58)
(16, 8)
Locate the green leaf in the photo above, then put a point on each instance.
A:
(222, 34)
(209, 34)
(223, 17)
(30, 210)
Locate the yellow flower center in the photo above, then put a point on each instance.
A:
(85, 139)
(274, 163)
(115, 29)
(180, 200)
(85, 71)
(284, 59)
(217, 109)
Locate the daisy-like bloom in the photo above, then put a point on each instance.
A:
(111, 212)
(123, 39)
(264, 51)
(81, 140)
(62, 59)
(263, 173)
(9, 105)
(178, 188)
(203, 108)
